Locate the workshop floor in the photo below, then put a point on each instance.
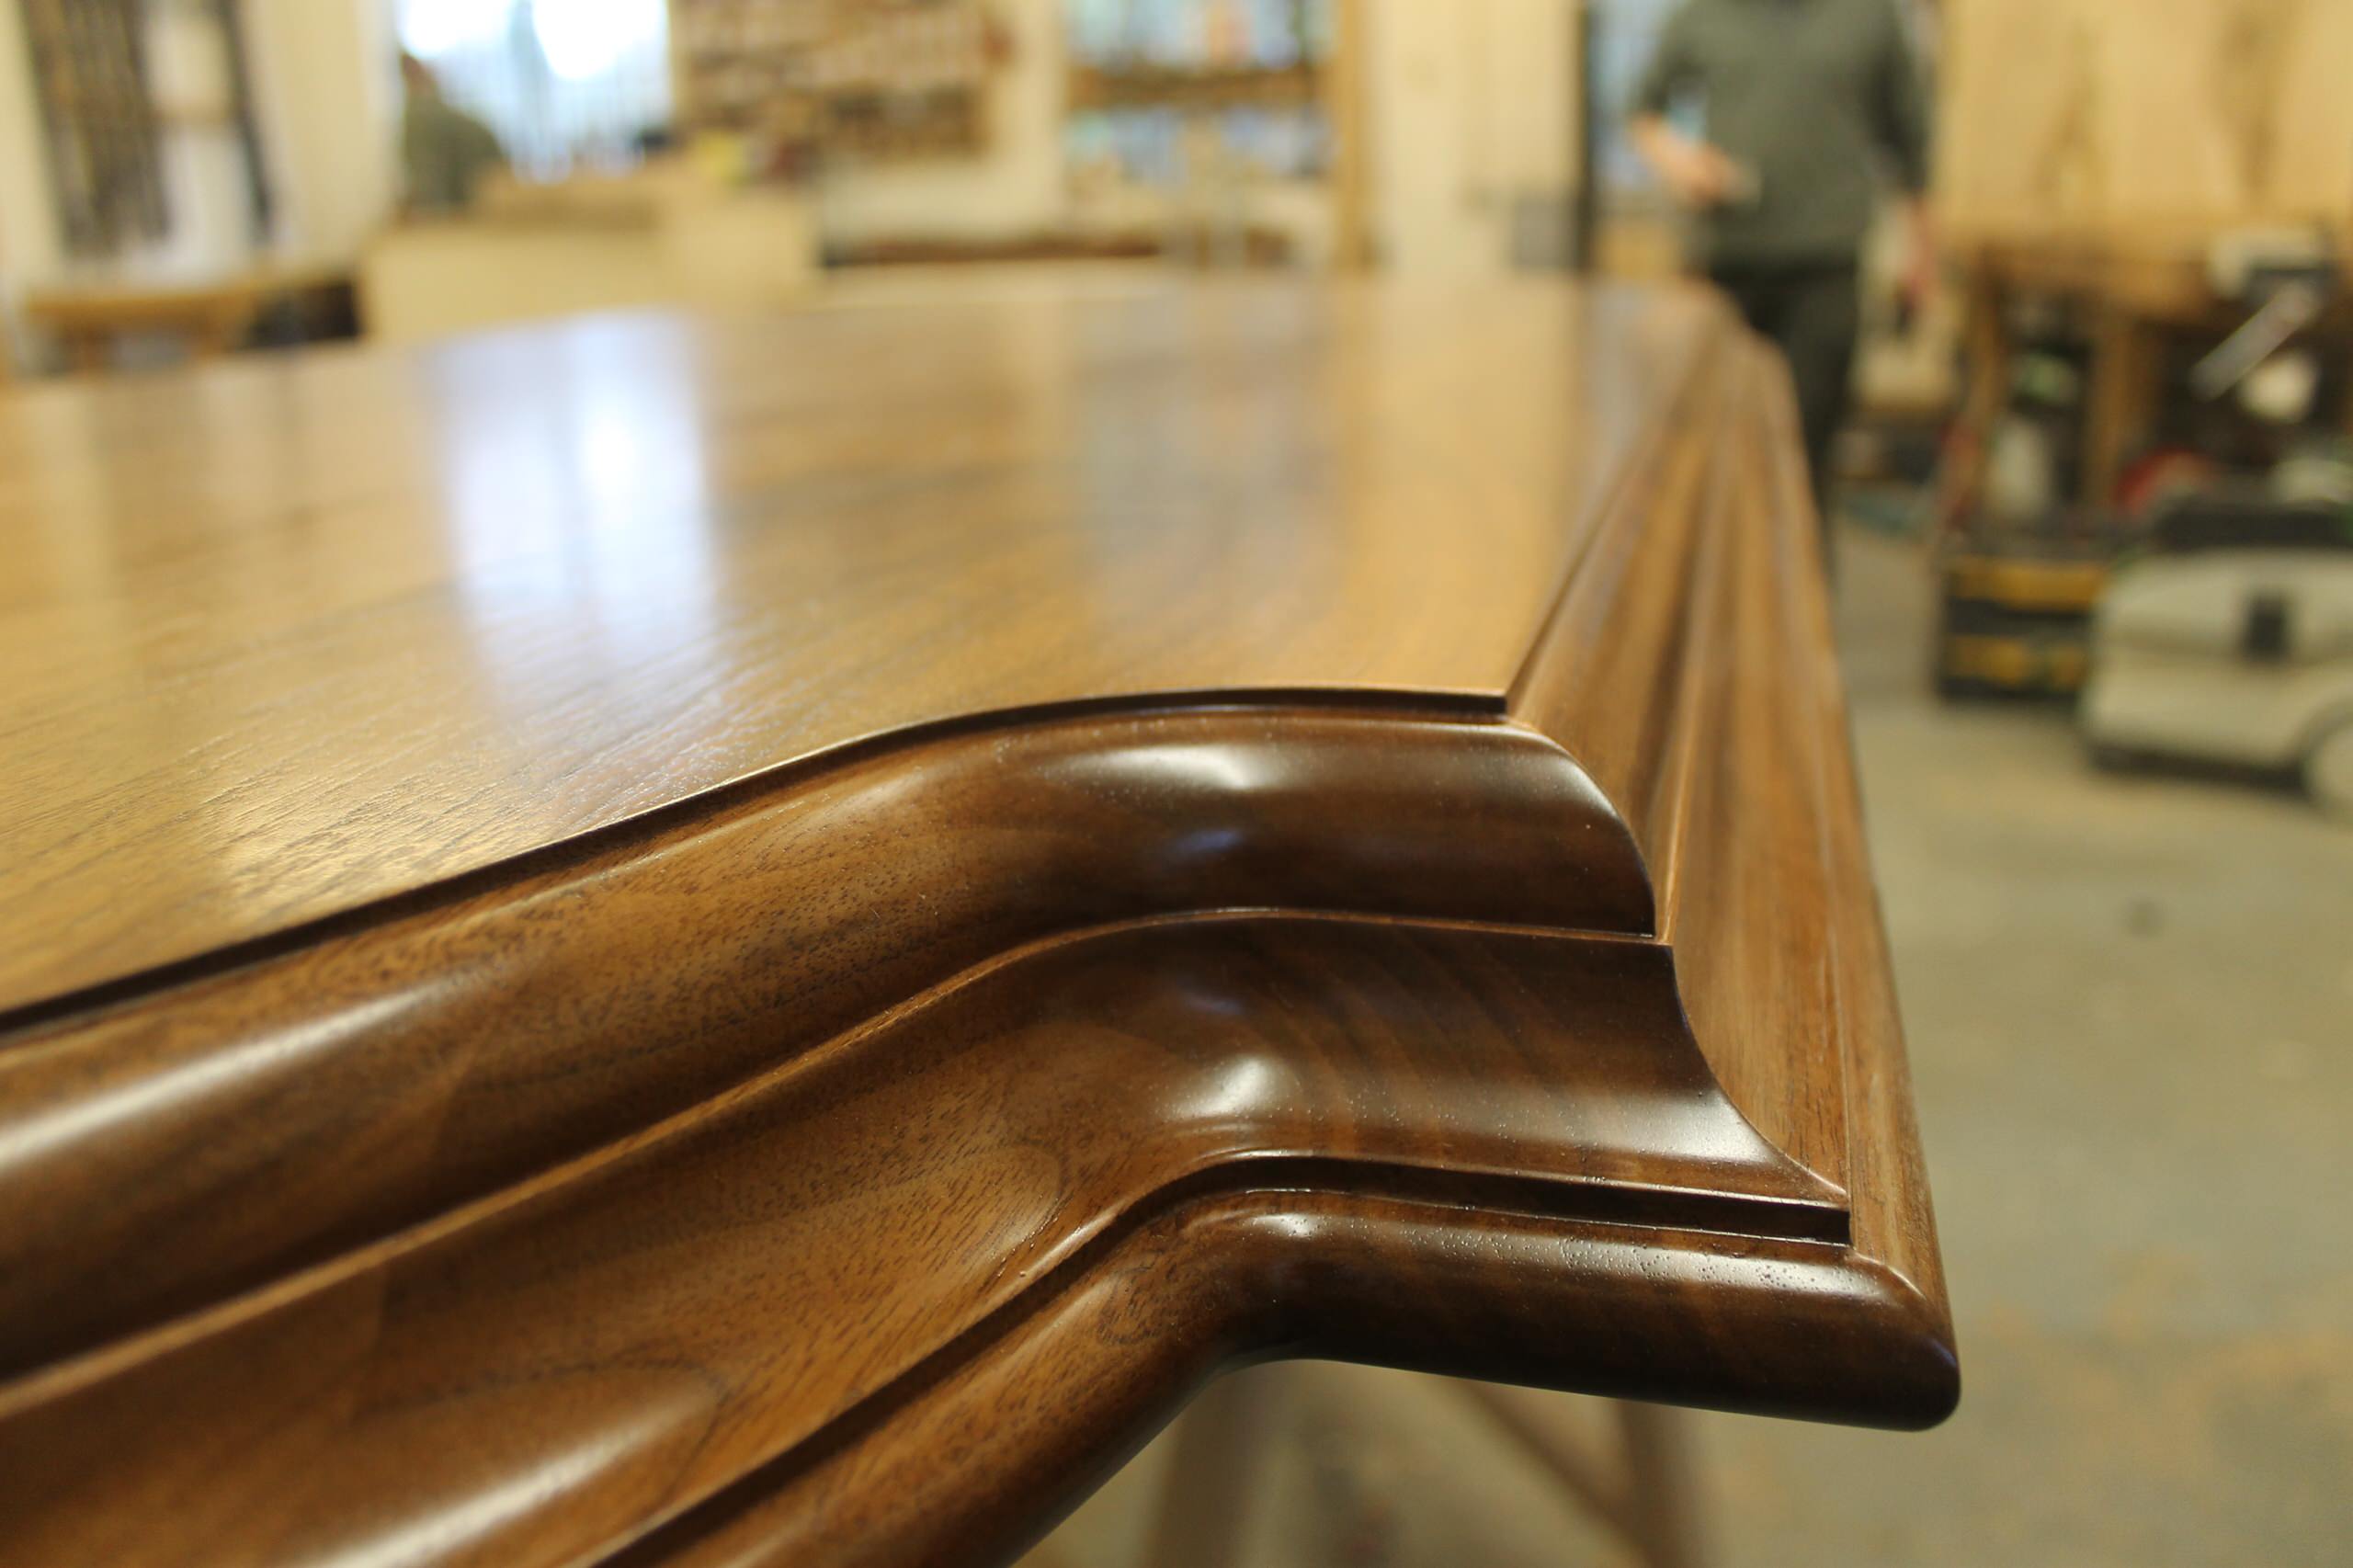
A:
(2130, 1002)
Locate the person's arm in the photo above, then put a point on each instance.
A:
(1695, 173)
(1923, 256)
(1900, 120)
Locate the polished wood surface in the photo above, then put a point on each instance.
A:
(299, 634)
(764, 940)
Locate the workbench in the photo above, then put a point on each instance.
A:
(2137, 287)
(2018, 593)
(768, 938)
(210, 316)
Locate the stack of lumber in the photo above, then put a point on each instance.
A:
(2145, 115)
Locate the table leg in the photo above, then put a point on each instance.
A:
(1986, 340)
(1649, 1496)
(1222, 1443)
(1662, 1485)
(2124, 397)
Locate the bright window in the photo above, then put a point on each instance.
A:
(1625, 35)
(564, 82)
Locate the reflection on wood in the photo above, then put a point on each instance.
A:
(750, 941)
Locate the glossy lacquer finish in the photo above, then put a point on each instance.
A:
(762, 942)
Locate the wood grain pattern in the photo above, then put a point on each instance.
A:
(298, 634)
(763, 941)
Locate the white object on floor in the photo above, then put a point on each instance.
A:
(2243, 657)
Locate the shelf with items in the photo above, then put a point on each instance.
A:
(867, 79)
(1142, 37)
(1204, 88)
(1156, 87)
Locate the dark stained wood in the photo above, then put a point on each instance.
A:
(300, 633)
(764, 941)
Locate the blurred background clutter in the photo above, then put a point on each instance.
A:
(2095, 512)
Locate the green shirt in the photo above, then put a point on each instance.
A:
(445, 151)
(1813, 97)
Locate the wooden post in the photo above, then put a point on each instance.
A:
(1220, 1443)
(1987, 338)
(2123, 396)
(1647, 1497)
(1585, 159)
(1662, 1485)
(1344, 107)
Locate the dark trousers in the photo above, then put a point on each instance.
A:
(1810, 312)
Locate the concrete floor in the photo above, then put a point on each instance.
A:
(2130, 1002)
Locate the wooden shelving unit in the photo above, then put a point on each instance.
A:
(1205, 88)
(1273, 84)
(867, 79)
(101, 135)
(118, 103)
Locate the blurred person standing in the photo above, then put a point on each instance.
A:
(445, 151)
(1808, 107)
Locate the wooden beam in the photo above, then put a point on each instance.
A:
(1346, 83)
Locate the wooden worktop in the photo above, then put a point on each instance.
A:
(762, 939)
(301, 633)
